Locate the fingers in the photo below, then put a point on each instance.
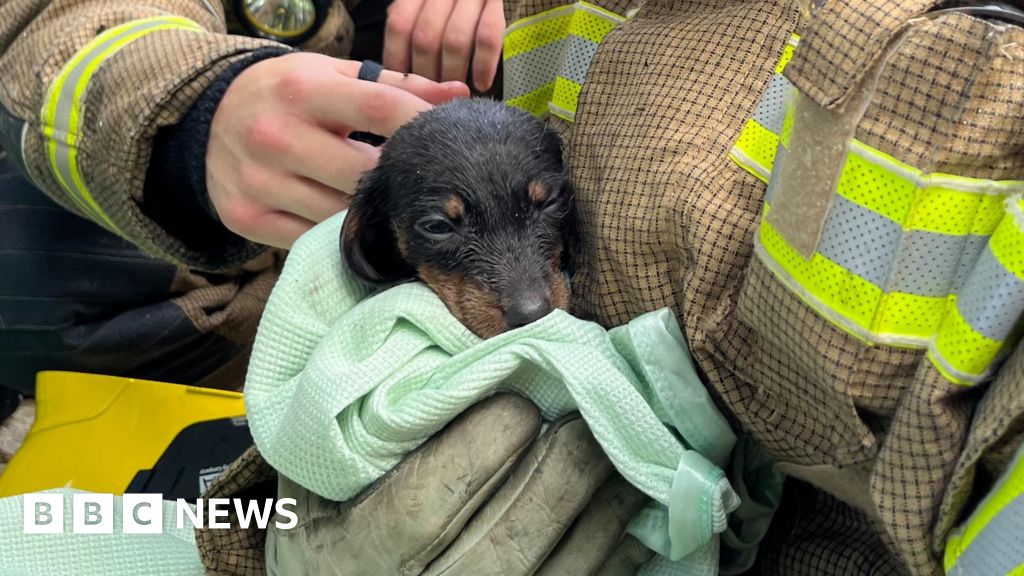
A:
(367, 106)
(597, 531)
(426, 39)
(424, 88)
(328, 159)
(457, 44)
(438, 38)
(302, 197)
(489, 35)
(277, 229)
(401, 22)
(524, 521)
(279, 159)
(433, 92)
(407, 518)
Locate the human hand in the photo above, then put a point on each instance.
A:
(280, 160)
(484, 496)
(438, 38)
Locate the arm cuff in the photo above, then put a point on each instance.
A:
(175, 194)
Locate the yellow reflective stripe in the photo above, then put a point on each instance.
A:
(62, 109)
(749, 165)
(990, 212)
(535, 102)
(898, 247)
(1009, 488)
(787, 54)
(959, 352)
(1007, 242)
(878, 187)
(582, 19)
(909, 319)
(536, 31)
(757, 145)
(955, 212)
(839, 292)
(73, 122)
(565, 97)
(549, 54)
(861, 309)
(888, 193)
(593, 26)
(941, 203)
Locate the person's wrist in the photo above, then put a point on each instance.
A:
(175, 194)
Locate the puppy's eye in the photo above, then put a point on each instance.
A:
(553, 204)
(435, 228)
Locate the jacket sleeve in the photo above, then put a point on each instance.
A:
(88, 84)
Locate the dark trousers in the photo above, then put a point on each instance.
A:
(76, 297)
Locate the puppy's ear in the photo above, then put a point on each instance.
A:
(570, 231)
(368, 242)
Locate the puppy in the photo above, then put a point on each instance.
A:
(472, 198)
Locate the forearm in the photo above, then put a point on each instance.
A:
(87, 87)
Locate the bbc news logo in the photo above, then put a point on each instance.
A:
(144, 513)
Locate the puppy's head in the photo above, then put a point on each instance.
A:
(472, 198)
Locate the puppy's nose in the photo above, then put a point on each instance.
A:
(529, 308)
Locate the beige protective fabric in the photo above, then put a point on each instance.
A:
(668, 220)
(166, 71)
(816, 534)
(150, 83)
(238, 551)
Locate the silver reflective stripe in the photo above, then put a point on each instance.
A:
(972, 251)
(558, 110)
(999, 548)
(66, 101)
(992, 299)
(749, 162)
(577, 62)
(921, 263)
(928, 262)
(771, 109)
(860, 240)
(531, 70)
(66, 98)
(805, 294)
(569, 58)
(62, 115)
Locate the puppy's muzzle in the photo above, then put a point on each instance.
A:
(527, 308)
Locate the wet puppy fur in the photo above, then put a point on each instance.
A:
(472, 198)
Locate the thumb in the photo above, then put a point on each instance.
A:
(406, 519)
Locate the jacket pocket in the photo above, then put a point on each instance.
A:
(864, 266)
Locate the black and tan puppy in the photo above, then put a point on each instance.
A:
(472, 198)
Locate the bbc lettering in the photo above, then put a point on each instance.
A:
(144, 513)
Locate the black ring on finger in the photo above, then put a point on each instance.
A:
(370, 71)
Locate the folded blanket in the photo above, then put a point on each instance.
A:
(341, 386)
